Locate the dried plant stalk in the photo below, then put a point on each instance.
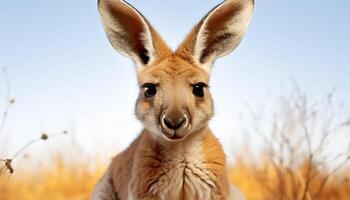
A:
(7, 163)
(295, 147)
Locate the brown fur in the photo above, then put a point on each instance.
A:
(143, 165)
(186, 162)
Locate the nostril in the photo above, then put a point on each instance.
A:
(174, 124)
(180, 122)
(169, 123)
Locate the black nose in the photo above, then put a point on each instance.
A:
(174, 124)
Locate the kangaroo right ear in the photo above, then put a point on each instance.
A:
(218, 34)
(130, 33)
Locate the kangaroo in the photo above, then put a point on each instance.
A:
(176, 156)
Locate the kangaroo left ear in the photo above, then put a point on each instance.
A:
(130, 33)
(218, 33)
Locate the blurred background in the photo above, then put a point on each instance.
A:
(284, 89)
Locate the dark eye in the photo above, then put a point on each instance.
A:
(198, 89)
(150, 89)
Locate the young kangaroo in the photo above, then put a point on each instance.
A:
(176, 156)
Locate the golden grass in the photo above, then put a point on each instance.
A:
(63, 181)
(257, 183)
(75, 181)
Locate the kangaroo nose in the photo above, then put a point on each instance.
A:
(174, 123)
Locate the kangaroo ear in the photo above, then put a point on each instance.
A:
(130, 33)
(218, 33)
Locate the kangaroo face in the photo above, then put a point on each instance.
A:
(174, 100)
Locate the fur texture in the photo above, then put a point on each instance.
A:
(176, 156)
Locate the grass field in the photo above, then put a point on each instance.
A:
(75, 181)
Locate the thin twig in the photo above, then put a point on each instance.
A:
(296, 144)
(328, 176)
(8, 101)
(44, 136)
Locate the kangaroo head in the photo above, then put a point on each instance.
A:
(174, 100)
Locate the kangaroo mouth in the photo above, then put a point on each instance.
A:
(175, 137)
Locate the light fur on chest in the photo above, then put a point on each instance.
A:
(183, 175)
(180, 172)
(194, 170)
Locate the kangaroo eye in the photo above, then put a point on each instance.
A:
(198, 89)
(150, 89)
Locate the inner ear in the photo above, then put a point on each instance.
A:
(131, 34)
(217, 34)
(216, 31)
(132, 29)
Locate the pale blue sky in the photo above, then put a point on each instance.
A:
(65, 75)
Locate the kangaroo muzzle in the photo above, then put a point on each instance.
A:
(174, 125)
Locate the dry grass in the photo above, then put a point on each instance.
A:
(245, 177)
(295, 163)
(75, 181)
(64, 180)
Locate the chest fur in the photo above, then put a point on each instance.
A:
(180, 173)
(181, 179)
